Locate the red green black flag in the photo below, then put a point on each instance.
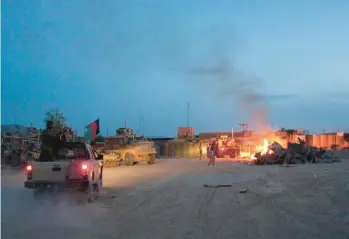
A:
(92, 130)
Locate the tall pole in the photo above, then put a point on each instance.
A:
(188, 110)
(143, 127)
(140, 123)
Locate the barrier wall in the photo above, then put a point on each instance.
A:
(176, 149)
(192, 149)
(316, 140)
(182, 149)
(331, 139)
(309, 140)
(166, 153)
(340, 140)
(324, 140)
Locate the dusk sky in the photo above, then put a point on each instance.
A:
(285, 63)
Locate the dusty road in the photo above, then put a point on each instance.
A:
(168, 200)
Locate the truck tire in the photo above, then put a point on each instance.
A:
(151, 159)
(129, 159)
(90, 192)
(101, 178)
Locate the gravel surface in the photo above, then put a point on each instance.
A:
(167, 200)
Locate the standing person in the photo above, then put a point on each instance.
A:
(49, 139)
(200, 148)
(212, 152)
(48, 135)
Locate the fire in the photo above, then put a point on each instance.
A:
(265, 148)
(245, 154)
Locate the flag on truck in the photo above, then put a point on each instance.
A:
(92, 130)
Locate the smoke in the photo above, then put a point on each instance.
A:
(246, 91)
(53, 216)
(202, 52)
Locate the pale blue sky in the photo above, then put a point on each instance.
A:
(114, 58)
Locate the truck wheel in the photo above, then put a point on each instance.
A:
(129, 159)
(91, 192)
(151, 159)
(101, 178)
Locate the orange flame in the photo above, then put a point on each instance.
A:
(265, 149)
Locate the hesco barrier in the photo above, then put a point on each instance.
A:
(316, 140)
(176, 148)
(166, 153)
(309, 140)
(186, 150)
(340, 140)
(170, 149)
(182, 149)
(324, 140)
(192, 149)
(331, 139)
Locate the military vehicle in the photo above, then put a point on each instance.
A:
(68, 165)
(129, 148)
(18, 150)
(227, 147)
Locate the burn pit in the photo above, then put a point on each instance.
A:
(276, 150)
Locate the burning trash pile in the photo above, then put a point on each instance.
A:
(296, 153)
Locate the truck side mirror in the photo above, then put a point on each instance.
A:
(100, 157)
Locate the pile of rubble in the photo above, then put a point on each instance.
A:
(296, 153)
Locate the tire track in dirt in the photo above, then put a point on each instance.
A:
(203, 210)
(158, 195)
(265, 202)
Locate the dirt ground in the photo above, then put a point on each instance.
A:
(167, 200)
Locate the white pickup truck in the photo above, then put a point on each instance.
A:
(71, 164)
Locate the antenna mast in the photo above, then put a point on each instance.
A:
(188, 110)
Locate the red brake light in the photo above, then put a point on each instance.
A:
(222, 148)
(84, 167)
(29, 168)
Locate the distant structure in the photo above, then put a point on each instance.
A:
(22, 130)
(185, 132)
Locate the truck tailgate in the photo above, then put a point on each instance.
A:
(50, 171)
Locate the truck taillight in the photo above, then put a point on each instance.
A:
(29, 168)
(84, 167)
(222, 148)
(84, 171)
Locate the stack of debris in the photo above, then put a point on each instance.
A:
(294, 154)
(276, 154)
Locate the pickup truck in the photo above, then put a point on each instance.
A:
(70, 165)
